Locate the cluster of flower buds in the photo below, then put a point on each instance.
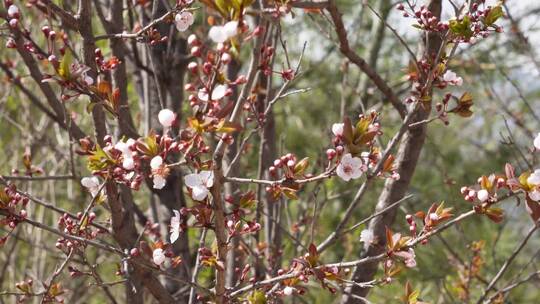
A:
(288, 165)
(412, 224)
(80, 226)
(105, 65)
(13, 13)
(487, 191)
(13, 205)
(424, 18)
(235, 226)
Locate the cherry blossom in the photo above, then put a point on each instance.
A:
(175, 226)
(199, 184)
(125, 147)
(537, 142)
(183, 21)
(349, 168)
(222, 33)
(158, 256)
(158, 179)
(288, 290)
(166, 118)
(367, 236)
(534, 178)
(92, 184)
(13, 11)
(409, 257)
(452, 78)
(535, 195)
(482, 195)
(217, 93)
(337, 129)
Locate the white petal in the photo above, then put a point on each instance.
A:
(90, 182)
(156, 162)
(207, 178)
(166, 117)
(356, 173)
(183, 21)
(159, 182)
(128, 163)
(482, 195)
(535, 195)
(158, 256)
(219, 92)
(449, 76)
(288, 290)
(534, 178)
(203, 95)
(231, 29)
(341, 173)
(217, 34)
(537, 142)
(193, 180)
(199, 193)
(175, 233)
(337, 129)
(13, 10)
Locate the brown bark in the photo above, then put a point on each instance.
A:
(407, 157)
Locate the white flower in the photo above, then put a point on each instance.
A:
(537, 142)
(535, 195)
(13, 11)
(183, 21)
(156, 162)
(288, 290)
(482, 195)
(452, 78)
(367, 236)
(433, 216)
(217, 93)
(349, 167)
(159, 181)
(158, 256)
(175, 226)
(534, 178)
(199, 184)
(92, 184)
(220, 34)
(337, 129)
(128, 163)
(166, 117)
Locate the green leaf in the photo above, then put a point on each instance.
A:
(65, 64)
(494, 14)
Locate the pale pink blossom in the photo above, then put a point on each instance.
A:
(367, 236)
(92, 184)
(452, 78)
(534, 178)
(183, 21)
(199, 184)
(349, 167)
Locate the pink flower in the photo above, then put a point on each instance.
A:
(349, 167)
(408, 257)
(183, 21)
(452, 78)
(534, 178)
